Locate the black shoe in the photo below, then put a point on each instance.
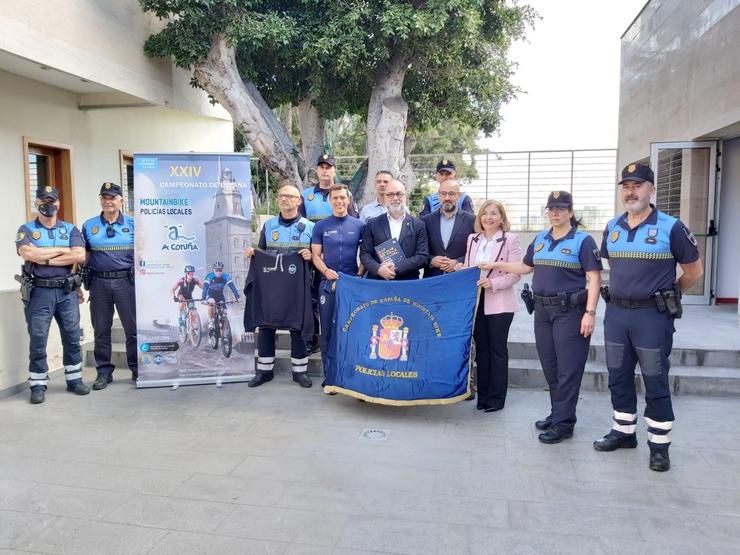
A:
(302, 379)
(261, 377)
(480, 406)
(38, 394)
(313, 346)
(553, 435)
(543, 424)
(492, 409)
(659, 461)
(134, 376)
(78, 388)
(101, 382)
(612, 441)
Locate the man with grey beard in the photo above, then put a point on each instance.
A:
(448, 228)
(394, 245)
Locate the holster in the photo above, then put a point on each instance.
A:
(528, 298)
(672, 301)
(86, 277)
(26, 287)
(605, 293)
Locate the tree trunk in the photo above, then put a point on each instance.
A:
(407, 175)
(312, 127)
(286, 116)
(386, 124)
(219, 76)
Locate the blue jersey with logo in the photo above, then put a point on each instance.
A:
(315, 204)
(339, 239)
(64, 234)
(284, 236)
(109, 254)
(642, 260)
(213, 286)
(560, 266)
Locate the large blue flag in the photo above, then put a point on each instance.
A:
(403, 342)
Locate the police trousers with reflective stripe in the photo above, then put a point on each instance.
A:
(641, 335)
(563, 352)
(44, 305)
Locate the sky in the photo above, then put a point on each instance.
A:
(569, 73)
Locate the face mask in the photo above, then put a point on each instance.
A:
(48, 209)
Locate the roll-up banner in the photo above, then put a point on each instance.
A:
(193, 216)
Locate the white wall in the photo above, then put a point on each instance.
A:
(42, 112)
(728, 276)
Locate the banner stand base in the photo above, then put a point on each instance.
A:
(176, 383)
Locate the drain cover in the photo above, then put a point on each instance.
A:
(375, 434)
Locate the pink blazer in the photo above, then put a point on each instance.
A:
(500, 297)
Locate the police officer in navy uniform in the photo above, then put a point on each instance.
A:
(561, 258)
(315, 203)
(109, 240)
(50, 249)
(287, 233)
(643, 246)
(445, 171)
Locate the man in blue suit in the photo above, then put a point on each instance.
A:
(447, 228)
(396, 230)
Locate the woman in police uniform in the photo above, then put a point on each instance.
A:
(565, 308)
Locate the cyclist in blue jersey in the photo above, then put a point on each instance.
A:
(213, 289)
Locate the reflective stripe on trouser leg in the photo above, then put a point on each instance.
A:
(624, 422)
(73, 372)
(265, 364)
(299, 364)
(38, 378)
(659, 433)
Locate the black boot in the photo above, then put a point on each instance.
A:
(101, 382)
(78, 388)
(38, 394)
(612, 441)
(543, 424)
(659, 460)
(302, 379)
(260, 377)
(553, 435)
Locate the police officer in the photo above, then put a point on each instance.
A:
(50, 249)
(643, 246)
(334, 244)
(287, 233)
(315, 203)
(445, 170)
(562, 259)
(109, 241)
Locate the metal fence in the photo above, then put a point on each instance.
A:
(522, 181)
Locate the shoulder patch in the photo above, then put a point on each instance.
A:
(20, 236)
(690, 236)
(614, 236)
(597, 254)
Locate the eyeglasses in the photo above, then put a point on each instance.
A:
(448, 194)
(399, 194)
(109, 231)
(286, 197)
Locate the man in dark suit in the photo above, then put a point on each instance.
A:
(380, 233)
(448, 228)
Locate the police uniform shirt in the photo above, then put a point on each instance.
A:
(339, 239)
(109, 254)
(63, 234)
(560, 265)
(643, 260)
(315, 204)
(280, 235)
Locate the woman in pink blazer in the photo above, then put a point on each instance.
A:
(492, 242)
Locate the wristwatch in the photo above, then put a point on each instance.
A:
(591, 312)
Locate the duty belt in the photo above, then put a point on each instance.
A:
(633, 303)
(111, 275)
(50, 283)
(572, 299)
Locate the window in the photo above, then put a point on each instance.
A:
(47, 163)
(127, 180)
(236, 261)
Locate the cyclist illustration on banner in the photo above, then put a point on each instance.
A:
(194, 213)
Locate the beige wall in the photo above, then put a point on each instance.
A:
(680, 76)
(102, 42)
(42, 112)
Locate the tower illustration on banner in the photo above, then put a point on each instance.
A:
(229, 231)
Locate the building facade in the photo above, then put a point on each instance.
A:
(680, 111)
(78, 97)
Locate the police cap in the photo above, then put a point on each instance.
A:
(637, 172)
(560, 199)
(47, 192)
(326, 158)
(111, 189)
(446, 165)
